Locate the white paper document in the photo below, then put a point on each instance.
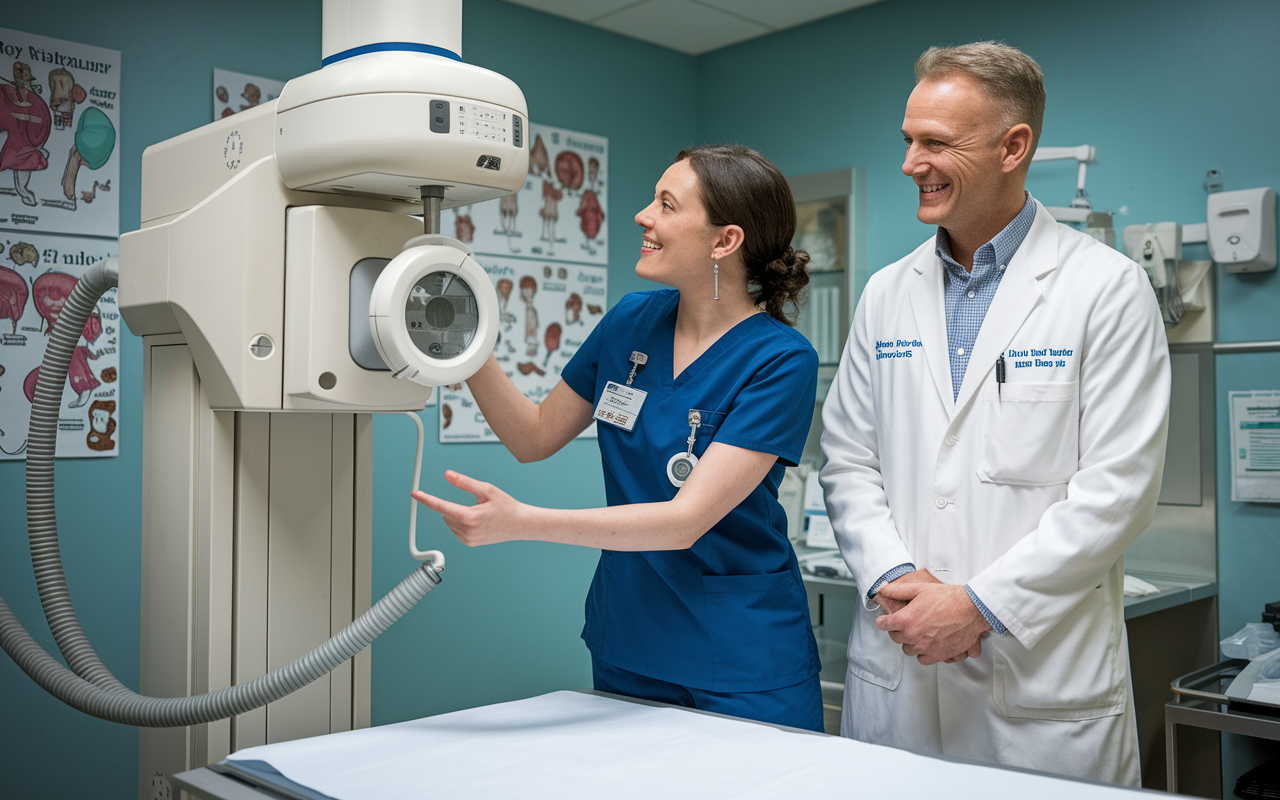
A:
(1255, 446)
(568, 745)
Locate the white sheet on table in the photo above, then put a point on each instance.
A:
(568, 745)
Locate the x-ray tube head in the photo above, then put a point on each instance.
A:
(434, 312)
(442, 315)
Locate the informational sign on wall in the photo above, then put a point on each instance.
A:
(547, 309)
(557, 215)
(60, 123)
(1255, 446)
(546, 250)
(234, 92)
(37, 274)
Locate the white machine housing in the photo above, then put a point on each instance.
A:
(257, 520)
(354, 26)
(220, 202)
(1242, 230)
(385, 124)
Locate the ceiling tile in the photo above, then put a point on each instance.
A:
(689, 27)
(779, 15)
(580, 10)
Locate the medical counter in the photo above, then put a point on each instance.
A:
(569, 745)
(1174, 590)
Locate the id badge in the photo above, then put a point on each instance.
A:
(620, 405)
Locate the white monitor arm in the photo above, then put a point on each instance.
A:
(1080, 206)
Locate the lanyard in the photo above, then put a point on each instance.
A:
(620, 405)
(681, 465)
(638, 360)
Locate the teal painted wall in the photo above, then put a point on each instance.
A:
(1165, 90)
(505, 622)
(1159, 123)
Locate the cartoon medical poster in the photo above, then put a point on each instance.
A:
(547, 310)
(558, 214)
(37, 274)
(234, 92)
(59, 136)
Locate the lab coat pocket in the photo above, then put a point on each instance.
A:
(873, 656)
(1075, 672)
(760, 634)
(1030, 433)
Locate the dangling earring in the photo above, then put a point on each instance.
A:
(717, 273)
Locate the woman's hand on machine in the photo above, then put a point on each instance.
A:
(491, 520)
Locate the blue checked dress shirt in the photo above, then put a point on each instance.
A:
(966, 297)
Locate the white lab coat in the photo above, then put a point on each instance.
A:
(1029, 492)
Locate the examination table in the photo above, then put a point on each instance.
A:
(567, 745)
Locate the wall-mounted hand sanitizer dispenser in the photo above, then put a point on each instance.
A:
(1242, 230)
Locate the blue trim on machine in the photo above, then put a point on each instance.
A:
(412, 47)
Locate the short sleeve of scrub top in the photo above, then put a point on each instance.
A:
(728, 614)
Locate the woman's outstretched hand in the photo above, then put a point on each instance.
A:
(493, 519)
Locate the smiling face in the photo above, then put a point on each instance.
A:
(677, 237)
(959, 156)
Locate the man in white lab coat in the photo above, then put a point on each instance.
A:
(994, 439)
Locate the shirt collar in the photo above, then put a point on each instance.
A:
(1001, 248)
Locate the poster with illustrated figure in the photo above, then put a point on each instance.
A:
(559, 213)
(234, 92)
(59, 136)
(547, 310)
(37, 274)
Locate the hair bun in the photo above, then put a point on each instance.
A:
(790, 260)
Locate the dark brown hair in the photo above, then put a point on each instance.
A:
(740, 187)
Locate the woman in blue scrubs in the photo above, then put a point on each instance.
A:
(697, 599)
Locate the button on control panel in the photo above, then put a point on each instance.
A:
(439, 116)
(486, 123)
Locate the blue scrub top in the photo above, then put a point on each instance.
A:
(728, 614)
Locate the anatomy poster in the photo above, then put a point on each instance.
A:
(59, 136)
(558, 215)
(547, 309)
(235, 91)
(37, 274)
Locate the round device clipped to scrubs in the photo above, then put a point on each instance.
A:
(680, 467)
(434, 312)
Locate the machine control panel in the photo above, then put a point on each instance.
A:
(486, 123)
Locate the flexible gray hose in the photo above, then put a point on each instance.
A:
(42, 438)
(89, 686)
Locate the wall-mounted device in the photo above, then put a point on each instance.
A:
(1157, 247)
(1084, 155)
(1242, 230)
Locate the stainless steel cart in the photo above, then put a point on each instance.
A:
(1201, 701)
